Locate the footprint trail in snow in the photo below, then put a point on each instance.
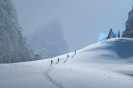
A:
(54, 82)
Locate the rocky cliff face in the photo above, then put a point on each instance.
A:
(13, 47)
(129, 26)
(49, 41)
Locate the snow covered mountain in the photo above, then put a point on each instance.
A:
(107, 64)
(49, 40)
(13, 47)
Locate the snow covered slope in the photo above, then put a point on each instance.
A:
(107, 64)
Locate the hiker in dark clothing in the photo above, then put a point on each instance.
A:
(67, 56)
(51, 62)
(75, 51)
(58, 60)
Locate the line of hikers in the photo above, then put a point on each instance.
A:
(59, 58)
(57, 61)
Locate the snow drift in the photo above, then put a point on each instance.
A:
(107, 64)
(122, 48)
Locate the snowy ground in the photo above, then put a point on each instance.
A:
(107, 64)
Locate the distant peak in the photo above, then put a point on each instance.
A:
(129, 26)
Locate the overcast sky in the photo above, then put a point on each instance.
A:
(82, 20)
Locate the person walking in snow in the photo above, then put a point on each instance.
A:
(75, 51)
(58, 60)
(51, 62)
(67, 56)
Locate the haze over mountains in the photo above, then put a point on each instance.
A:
(106, 64)
(49, 41)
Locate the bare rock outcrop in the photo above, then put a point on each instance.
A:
(129, 26)
(13, 47)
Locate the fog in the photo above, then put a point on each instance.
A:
(82, 20)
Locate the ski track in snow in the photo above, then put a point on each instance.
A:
(57, 84)
(69, 57)
(73, 56)
(66, 60)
